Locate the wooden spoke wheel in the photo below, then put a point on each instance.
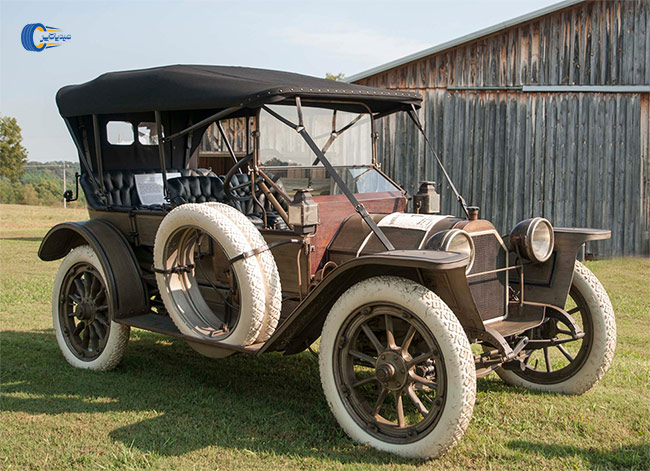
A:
(556, 363)
(570, 366)
(397, 368)
(390, 372)
(83, 311)
(82, 316)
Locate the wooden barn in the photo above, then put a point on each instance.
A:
(547, 114)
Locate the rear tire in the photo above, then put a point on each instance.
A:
(99, 343)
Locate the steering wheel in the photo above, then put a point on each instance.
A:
(231, 190)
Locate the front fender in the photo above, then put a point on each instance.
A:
(123, 276)
(549, 282)
(442, 272)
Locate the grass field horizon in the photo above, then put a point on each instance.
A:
(166, 407)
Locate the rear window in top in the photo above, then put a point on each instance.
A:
(119, 133)
(148, 134)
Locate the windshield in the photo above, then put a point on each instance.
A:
(349, 144)
(345, 138)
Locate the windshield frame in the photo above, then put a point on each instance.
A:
(309, 103)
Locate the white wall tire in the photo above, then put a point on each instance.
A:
(82, 267)
(273, 286)
(427, 315)
(595, 360)
(180, 292)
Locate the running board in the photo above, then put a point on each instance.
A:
(162, 324)
(520, 319)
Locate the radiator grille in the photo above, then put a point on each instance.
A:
(489, 289)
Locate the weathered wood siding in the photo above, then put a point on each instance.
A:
(235, 130)
(573, 158)
(577, 158)
(593, 43)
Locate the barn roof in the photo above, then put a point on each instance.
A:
(196, 87)
(463, 39)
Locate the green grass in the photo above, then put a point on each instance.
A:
(166, 407)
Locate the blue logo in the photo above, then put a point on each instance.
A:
(37, 37)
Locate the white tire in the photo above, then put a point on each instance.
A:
(426, 310)
(81, 266)
(180, 292)
(273, 286)
(591, 363)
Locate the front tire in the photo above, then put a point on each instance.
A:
(579, 365)
(81, 314)
(397, 368)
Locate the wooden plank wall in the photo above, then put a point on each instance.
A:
(235, 129)
(573, 158)
(592, 43)
(579, 159)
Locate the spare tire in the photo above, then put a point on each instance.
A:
(269, 269)
(174, 258)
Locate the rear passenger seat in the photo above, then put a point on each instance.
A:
(194, 186)
(120, 190)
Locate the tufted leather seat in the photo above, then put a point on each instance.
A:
(120, 190)
(251, 209)
(195, 190)
(193, 186)
(192, 189)
(246, 207)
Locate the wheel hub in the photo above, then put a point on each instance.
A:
(86, 311)
(391, 370)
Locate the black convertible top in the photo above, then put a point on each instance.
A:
(199, 87)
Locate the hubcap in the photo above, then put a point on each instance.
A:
(391, 370)
(86, 311)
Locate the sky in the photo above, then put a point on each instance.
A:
(304, 36)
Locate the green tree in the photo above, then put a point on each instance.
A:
(49, 192)
(8, 191)
(12, 153)
(28, 195)
(338, 77)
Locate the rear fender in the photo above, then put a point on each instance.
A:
(123, 276)
(442, 272)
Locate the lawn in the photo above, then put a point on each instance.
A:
(166, 407)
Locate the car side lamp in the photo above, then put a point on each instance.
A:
(303, 212)
(427, 199)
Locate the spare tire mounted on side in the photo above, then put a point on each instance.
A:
(255, 306)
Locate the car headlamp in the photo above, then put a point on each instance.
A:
(453, 240)
(534, 238)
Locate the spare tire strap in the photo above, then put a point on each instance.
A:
(173, 270)
(259, 250)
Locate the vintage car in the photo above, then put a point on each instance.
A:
(299, 235)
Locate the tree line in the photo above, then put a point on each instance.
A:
(25, 182)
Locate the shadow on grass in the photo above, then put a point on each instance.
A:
(182, 401)
(626, 457)
(24, 239)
